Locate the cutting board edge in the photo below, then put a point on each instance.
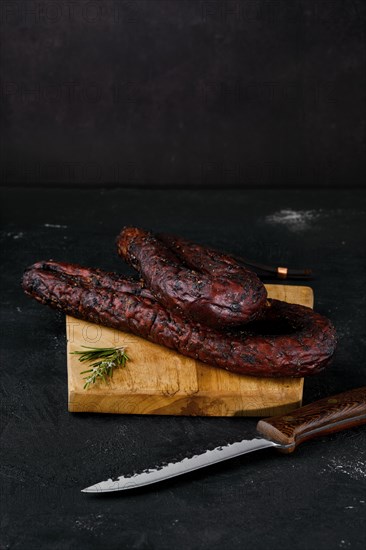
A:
(189, 406)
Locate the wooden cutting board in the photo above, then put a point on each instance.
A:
(157, 380)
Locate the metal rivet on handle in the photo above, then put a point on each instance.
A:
(282, 272)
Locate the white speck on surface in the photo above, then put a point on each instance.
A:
(349, 507)
(56, 225)
(89, 523)
(355, 469)
(84, 525)
(294, 220)
(19, 310)
(15, 235)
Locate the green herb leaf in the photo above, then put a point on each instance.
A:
(105, 360)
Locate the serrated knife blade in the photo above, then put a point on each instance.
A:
(284, 433)
(173, 469)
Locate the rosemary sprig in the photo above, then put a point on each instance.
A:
(105, 361)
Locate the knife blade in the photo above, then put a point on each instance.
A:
(284, 433)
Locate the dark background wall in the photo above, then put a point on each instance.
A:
(183, 92)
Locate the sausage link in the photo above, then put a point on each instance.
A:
(220, 294)
(258, 350)
(88, 277)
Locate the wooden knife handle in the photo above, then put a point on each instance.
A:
(323, 417)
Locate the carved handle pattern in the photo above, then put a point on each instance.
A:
(323, 417)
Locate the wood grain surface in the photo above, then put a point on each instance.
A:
(331, 414)
(157, 380)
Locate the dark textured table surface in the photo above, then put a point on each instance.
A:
(314, 498)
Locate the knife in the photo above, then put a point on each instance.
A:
(284, 433)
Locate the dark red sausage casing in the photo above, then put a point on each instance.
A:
(259, 349)
(214, 291)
